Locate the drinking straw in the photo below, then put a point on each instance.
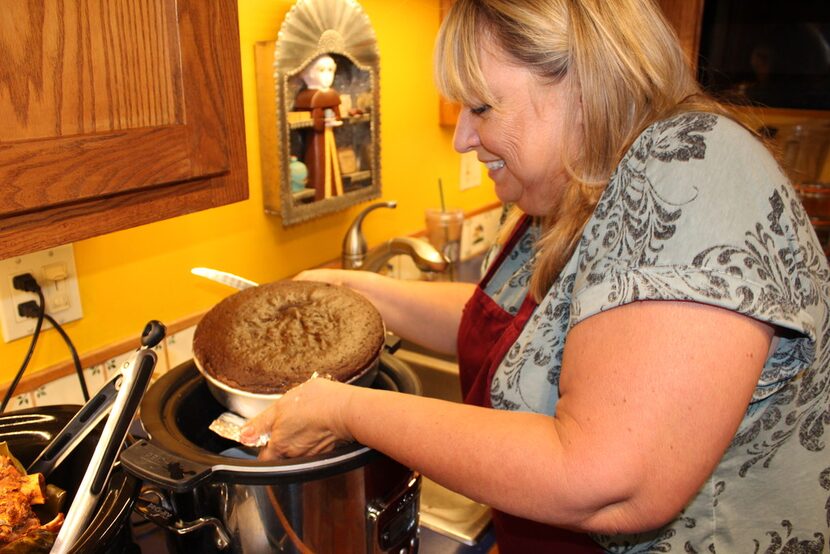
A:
(441, 193)
(446, 226)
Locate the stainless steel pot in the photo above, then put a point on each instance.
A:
(351, 500)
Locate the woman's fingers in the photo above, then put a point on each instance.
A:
(331, 276)
(258, 425)
(305, 421)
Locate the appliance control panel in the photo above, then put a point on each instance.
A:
(392, 527)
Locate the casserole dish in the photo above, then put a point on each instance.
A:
(260, 342)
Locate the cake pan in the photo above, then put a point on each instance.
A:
(248, 404)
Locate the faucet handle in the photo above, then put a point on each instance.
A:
(354, 243)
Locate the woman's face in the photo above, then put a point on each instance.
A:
(522, 139)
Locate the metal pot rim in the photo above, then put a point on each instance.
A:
(355, 379)
(249, 404)
(160, 416)
(159, 410)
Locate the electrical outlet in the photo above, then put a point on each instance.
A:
(54, 270)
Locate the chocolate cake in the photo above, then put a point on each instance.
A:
(270, 338)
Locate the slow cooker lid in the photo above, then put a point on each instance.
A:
(182, 451)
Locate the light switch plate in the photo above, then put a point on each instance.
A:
(54, 270)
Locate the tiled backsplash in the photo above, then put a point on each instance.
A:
(478, 233)
(174, 350)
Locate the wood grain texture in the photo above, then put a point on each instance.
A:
(124, 113)
(686, 16)
(77, 67)
(267, 114)
(447, 111)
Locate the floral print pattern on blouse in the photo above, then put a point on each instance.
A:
(698, 210)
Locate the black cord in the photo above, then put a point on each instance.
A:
(32, 309)
(40, 315)
(75, 359)
(27, 282)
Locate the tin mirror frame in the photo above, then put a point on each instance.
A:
(341, 29)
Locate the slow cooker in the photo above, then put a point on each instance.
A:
(215, 496)
(27, 433)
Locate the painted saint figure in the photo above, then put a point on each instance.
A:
(323, 102)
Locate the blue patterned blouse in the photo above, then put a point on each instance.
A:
(698, 210)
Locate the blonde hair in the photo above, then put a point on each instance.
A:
(625, 69)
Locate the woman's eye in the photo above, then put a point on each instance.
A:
(478, 110)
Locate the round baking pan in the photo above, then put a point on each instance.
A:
(248, 404)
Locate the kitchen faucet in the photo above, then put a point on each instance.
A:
(356, 254)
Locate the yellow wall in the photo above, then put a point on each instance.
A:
(129, 277)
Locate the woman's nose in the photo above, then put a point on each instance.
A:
(466, 136)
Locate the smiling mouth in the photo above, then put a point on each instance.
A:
(494, 165)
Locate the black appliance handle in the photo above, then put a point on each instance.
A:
(145, 363)
(134, 384)
(94, 411)
(159, 466)
(150, 463)
(153, 333)
(84, 421)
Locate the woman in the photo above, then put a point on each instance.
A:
(654, 335)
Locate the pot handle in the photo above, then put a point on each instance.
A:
(157, 512)
(150, 463)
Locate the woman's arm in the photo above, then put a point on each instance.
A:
(651, 396)
(425, 312)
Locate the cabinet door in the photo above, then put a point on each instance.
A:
(116, 114)
(686, 16)
(447, 111)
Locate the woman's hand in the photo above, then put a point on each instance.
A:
(305, 421)
(331, 276)
(362, 281)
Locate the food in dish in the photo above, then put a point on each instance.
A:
(270, 338)
(21, 529)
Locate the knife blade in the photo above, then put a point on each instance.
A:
(224, 278)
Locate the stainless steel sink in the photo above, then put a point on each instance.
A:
(442, 510)
(438, 374)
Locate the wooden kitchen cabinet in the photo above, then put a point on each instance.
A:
(116, 114)
(447, 111)
(686, 16)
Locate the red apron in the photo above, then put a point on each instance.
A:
(485, 334)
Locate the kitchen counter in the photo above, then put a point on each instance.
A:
(435, 543)
(469, 271)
